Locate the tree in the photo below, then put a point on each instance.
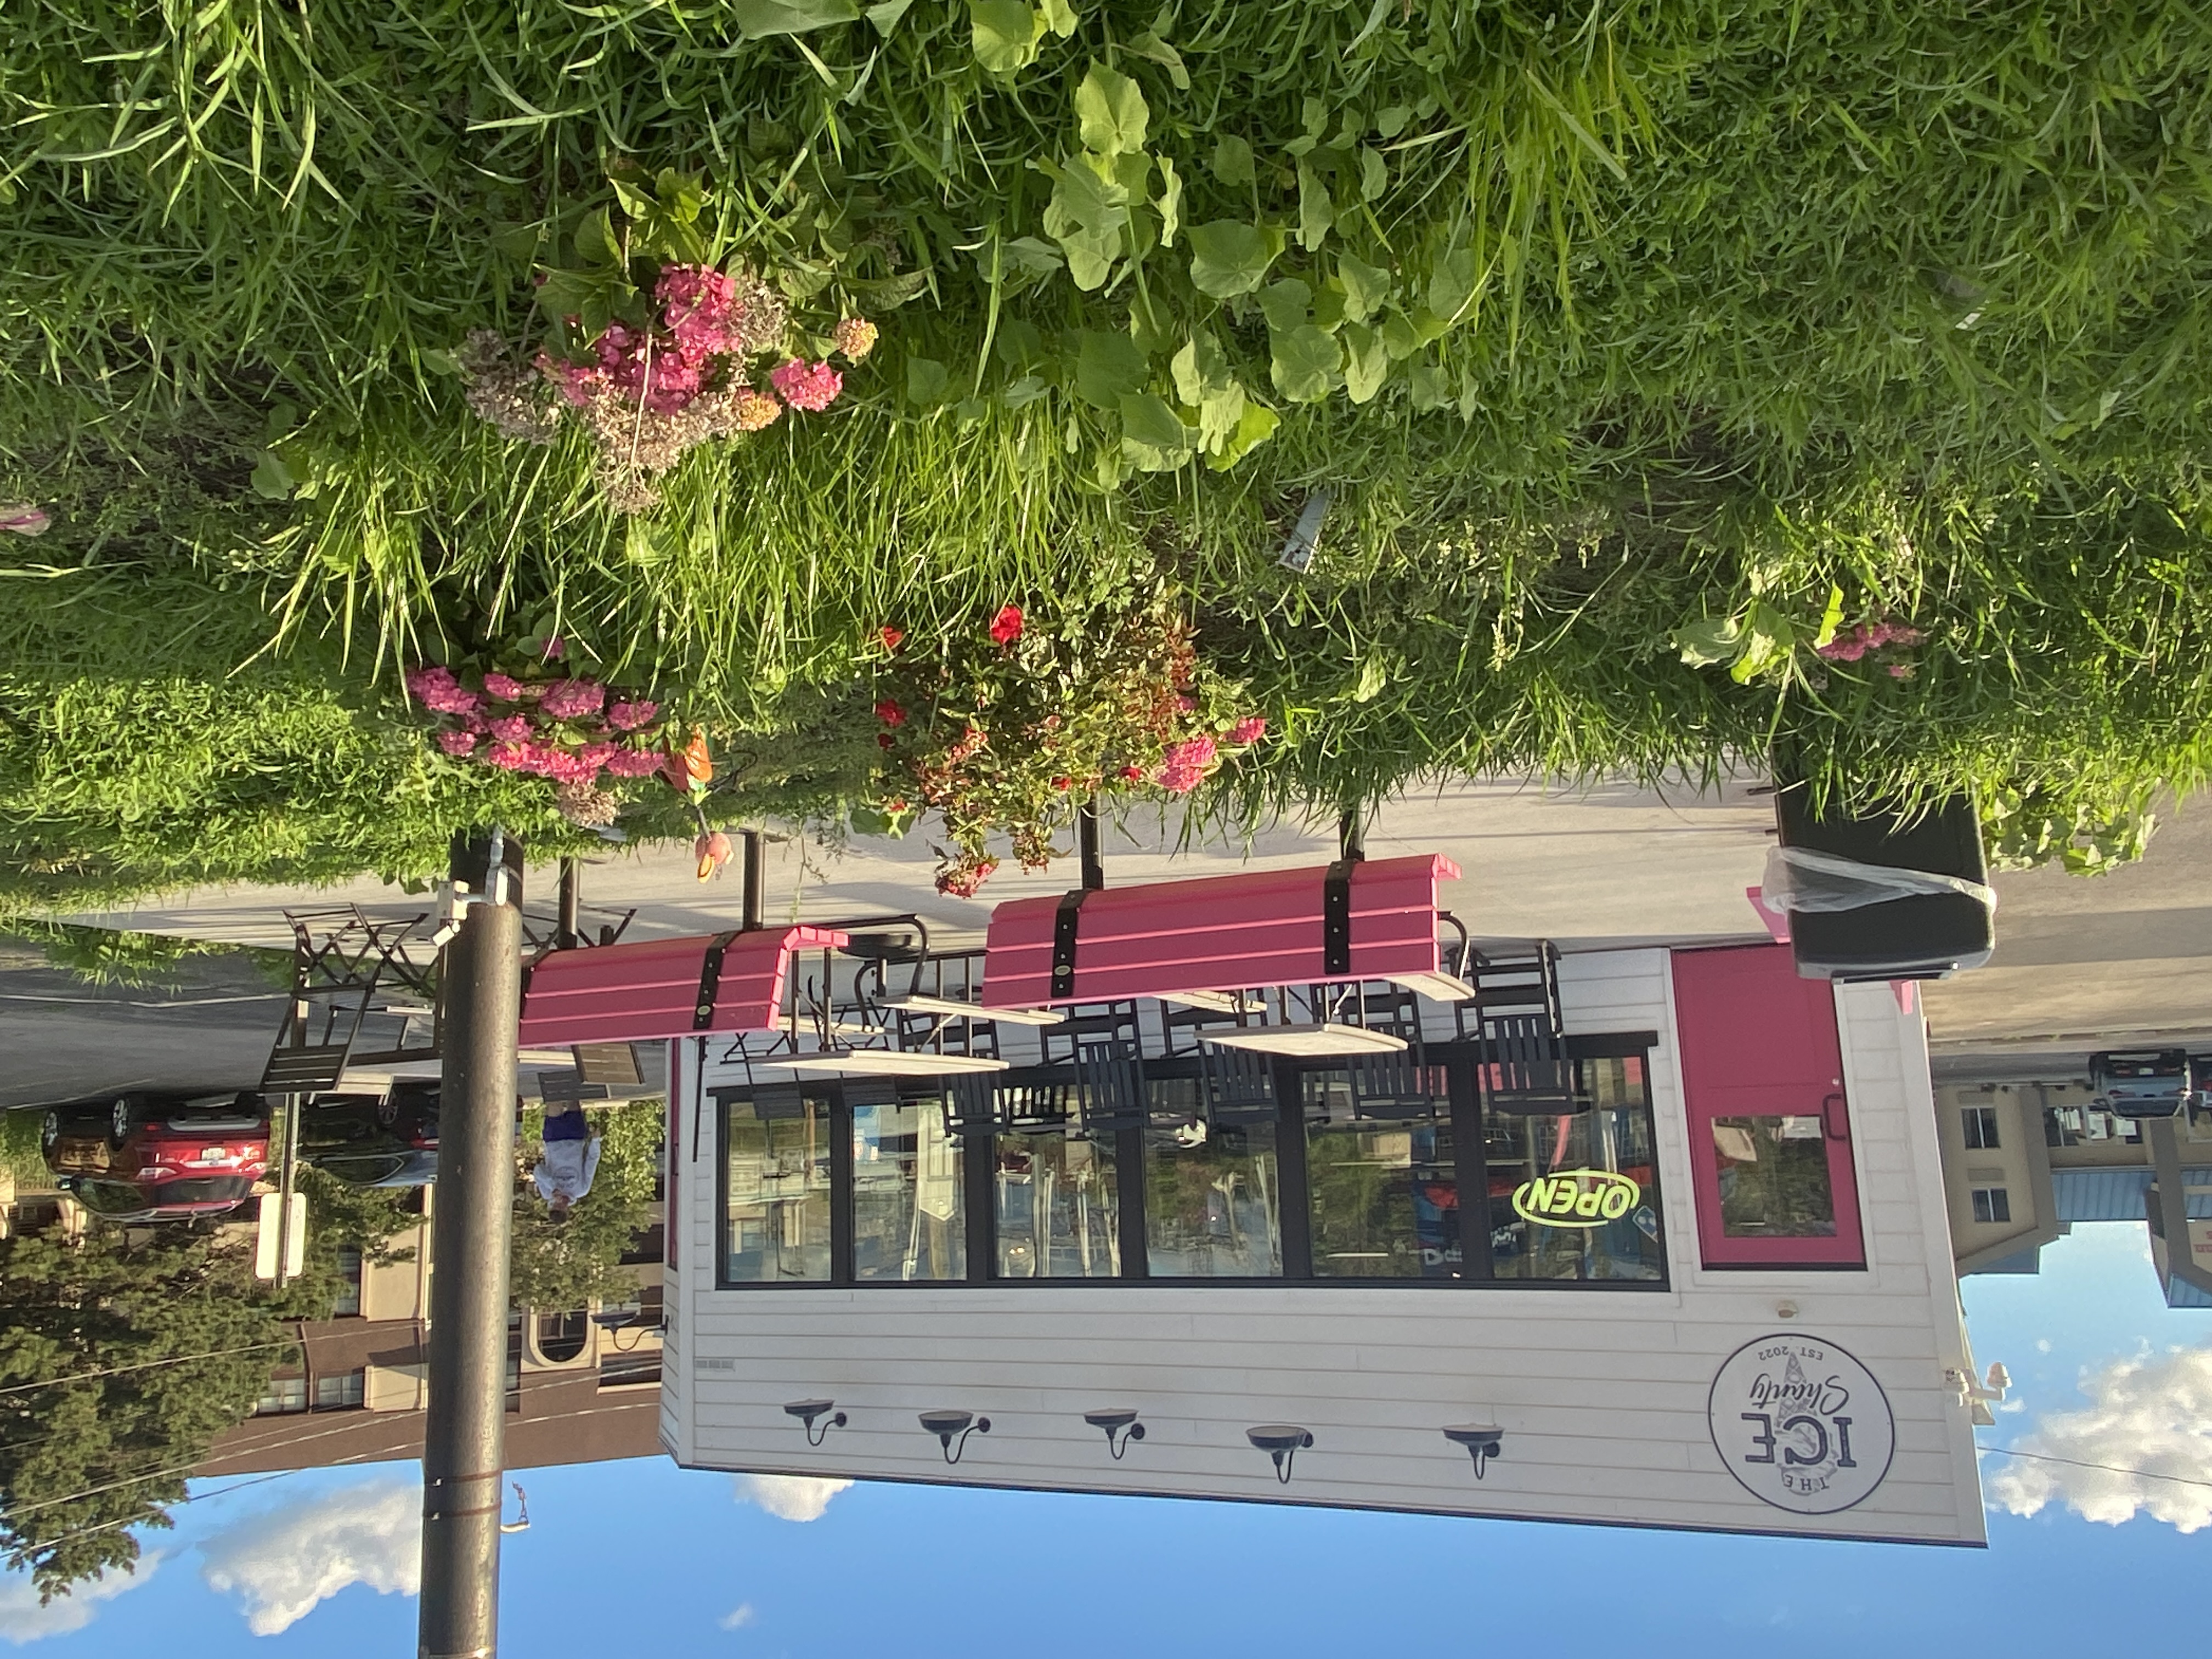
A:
(561, 1265)
(120, 1365)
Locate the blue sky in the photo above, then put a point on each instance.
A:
(643, 1557)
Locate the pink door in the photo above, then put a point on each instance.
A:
(1770, 1128)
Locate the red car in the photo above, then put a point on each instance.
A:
(158, 1157)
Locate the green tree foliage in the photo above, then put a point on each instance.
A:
(559, 1266)
(84, 1461)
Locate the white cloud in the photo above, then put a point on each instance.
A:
(284, 1561)
(788, 1497)
(22, 1620)
(2043, 1345)
(2154, 1415)
(737, 1617)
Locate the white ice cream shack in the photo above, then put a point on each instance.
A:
(1269, 1186)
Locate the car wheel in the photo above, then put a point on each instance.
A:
(387, 1111)
(50, 1130)
(122, 1119)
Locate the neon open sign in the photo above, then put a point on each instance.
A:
(1576, 1197)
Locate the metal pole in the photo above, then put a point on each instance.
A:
(570, 934)
(465, 1429)
(1352, 834)
(1086, 842)
(755, 894)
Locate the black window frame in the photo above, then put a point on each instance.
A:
(1465, 1116)
(1977, 1127)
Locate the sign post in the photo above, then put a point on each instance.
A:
(465, 1429)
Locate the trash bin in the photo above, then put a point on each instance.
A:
(1917, 936)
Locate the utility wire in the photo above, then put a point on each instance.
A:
(135, 1519)
(2109, 1468)
(146, 1364)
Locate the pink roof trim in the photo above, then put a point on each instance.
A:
(1218, 934)
(633, 992)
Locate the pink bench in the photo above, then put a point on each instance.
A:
(666, 988)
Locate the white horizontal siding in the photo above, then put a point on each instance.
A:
(1602, 1395)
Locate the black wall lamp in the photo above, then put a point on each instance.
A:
(1282, 1441)
(807, 1411)
(947, 1424)
(614, 1321)
(1116, 1420)
(1482, 1441)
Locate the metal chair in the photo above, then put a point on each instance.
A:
(1512, 987)
(1397, 1088)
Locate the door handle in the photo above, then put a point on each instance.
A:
(1835, 1117)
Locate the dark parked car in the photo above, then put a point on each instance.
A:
(2144, 1082)
(374, 1140)
(158, 1157)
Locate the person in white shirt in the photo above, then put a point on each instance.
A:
(570, 1158)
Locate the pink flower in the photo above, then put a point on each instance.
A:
(1184, 705)
(513, 728)
(508, 757)
(457, 743)
(501, 686)
(855, 337)
(1006, 626)
(556, 648)
(568, 700)
(1186, 764)
(23, 518)
(1900, 670)
(633, 764)
(437, 691)
(597, 755)
(1251, 729)
(806, 385)
(889, 712)
(628, 716)
(695, 301)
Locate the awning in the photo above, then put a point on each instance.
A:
(1372, 920)
(666, 988)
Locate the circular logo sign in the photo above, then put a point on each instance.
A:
(1801, 1423)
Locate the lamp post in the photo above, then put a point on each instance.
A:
(465, 1429)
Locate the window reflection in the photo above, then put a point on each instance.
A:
(1575, 1196)
(1211, 1197)
(1382, 1196)
(777, 1226)
(908, 1221)
(1774, 1177)
(1057, 1213)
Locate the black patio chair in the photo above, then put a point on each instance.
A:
(1111, 1076)
(1525, 1072)
(1236, 1087)
(1397, 1088)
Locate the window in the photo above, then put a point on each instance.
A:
(776, 1174)
(348, 1301)
(562, 1336)
(342, 1391)
(618, 1370)
(1979, 1124)
(1305, 1171)
(285, 1395)
(1381, 1177)
(1211, 1201)
(908, 1221)
(1576, 1197)
(1057, 1203)
(1992, 1204)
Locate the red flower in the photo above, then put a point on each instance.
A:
(891, 637)
(1133, 774)
(890, 713)
(1006, 626)
(884, 739)
(1059, 783)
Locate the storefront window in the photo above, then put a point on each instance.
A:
(1774, 1177)
(1383, 1193)
(908, 1221)
(1575, 1196)
(776, 1231)
(1210, 1202)
(1057, 1207)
